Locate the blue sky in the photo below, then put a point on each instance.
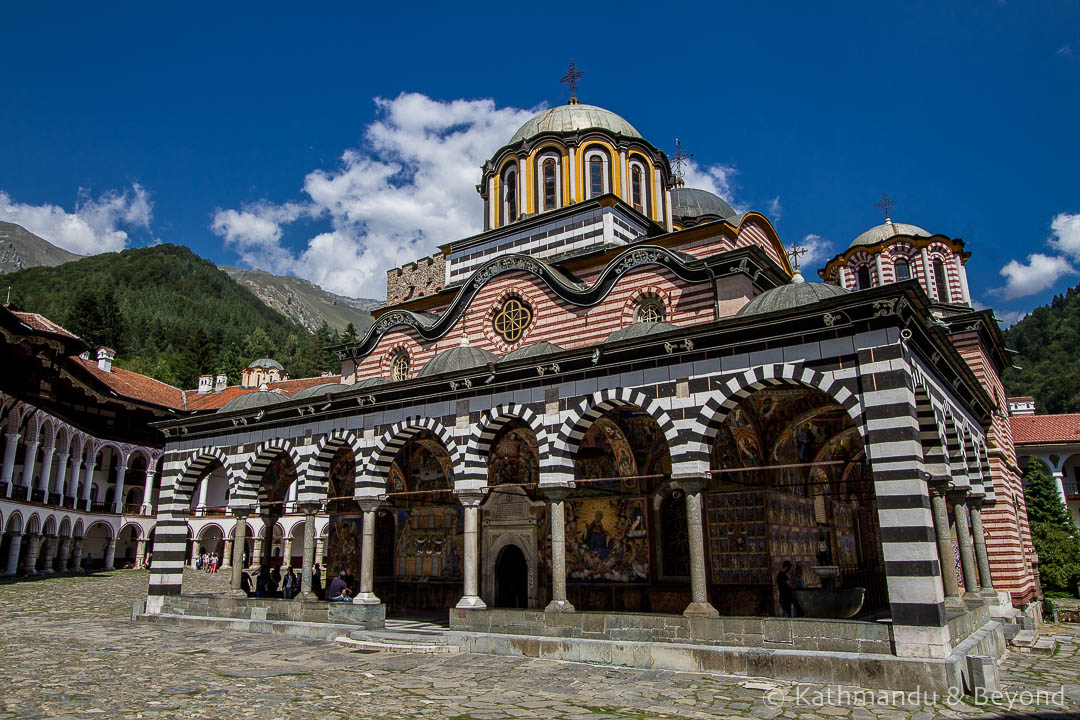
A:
(254, 134)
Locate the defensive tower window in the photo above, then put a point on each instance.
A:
(863, 277)
(510, 195)
(650, 310)
(399, 366)
(902, 270)
(549, 184)
(941, 281)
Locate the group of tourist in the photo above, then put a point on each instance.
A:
(207, 562)
(273, 583)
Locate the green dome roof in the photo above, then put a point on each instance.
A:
(252, 400)
(531, 351)
(266, 363)
(885, 231)
(368, 382)
(571, 118)
(458, 358)
(692, 203)
(640, 329)
(795, 294)
(320, 390)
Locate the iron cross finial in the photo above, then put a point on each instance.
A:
(795, 253)
(680, 159)
(573, 74)
(885, 204)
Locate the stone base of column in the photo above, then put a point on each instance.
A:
(974, 599)
(47, 571)
(559, 606)
(701, 609)
(471, 602)
(366, 599)
(308, 596)
(236, 594)
(30, 572)
(953, 601)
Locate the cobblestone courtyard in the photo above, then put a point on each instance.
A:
(70, 650)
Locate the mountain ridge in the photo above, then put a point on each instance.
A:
(21, 249)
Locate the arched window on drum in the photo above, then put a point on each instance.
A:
(549, 190)
(510, 194)
(941, 281)
(902, 269)
(596, 173)
(863, 277)
(639, 187)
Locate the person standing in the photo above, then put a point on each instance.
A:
(288, 585)
(783, 587)
(316, 581)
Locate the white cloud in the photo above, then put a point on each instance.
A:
(409, 189)
(1010, 317)
(717, 179)
(818, 250)
(775, 209)
(95, 226)
(1064, 50)
(1066, 234)
(1040, 273)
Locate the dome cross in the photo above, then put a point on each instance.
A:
(794, 254)
(679, 160)
(573, 74)
(885, 204)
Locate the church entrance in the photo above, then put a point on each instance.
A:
(511, 578)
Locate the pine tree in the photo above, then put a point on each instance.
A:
(1044, 505)
(349, 336)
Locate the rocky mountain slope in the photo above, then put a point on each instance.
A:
(304, 302)
(21, 249)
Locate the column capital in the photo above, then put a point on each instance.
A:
(958, 495)
(370, 504)
(310, 508)
(688, 483)
(471, 498)
(557, 493)
(939, 486)
(242, 511)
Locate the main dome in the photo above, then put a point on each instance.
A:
(572, 118)
(880, 233)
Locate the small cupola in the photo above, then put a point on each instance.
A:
(105, 357)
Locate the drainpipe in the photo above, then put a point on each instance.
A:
(715, 294)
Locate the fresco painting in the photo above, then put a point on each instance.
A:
(607, 540)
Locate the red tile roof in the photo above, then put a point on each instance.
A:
(40, 322)
(1030, 429)
(135, 386)
(212, 401)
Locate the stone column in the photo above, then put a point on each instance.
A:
(471, 597)
(309, 510)
(88, 482)
(8, 467)
(61, 475)
(118, 496)
(256, 553)
(110, 553)
(226, 556)
(29, 464)
(320, 546)
(64, 558)
(75, 561)
(367, 596)
(74, 476)
(556, 499)
(286, 552)
(267, 557)
(963, 539)
(236, 584)
(46, 471)
(986, 583)
(148, 493)
(52, 546)
(204, 485)
(196, 551)
(938, 489)
(13, 554)
(140, 552)
(699, 597)
(33, 550)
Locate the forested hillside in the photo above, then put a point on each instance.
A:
(169, 314)
(1048, 341)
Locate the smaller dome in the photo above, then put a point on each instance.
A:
(457, 358)
(368, 382)
(266, 363)
(252, 400)
(320, 390)
(886, 230)
(640, 329)
(795, 294)
(531, 351)
(694, 204)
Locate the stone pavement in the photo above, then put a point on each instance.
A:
(70, 650)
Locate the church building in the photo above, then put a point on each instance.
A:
(606, 425)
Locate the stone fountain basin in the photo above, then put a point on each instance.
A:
(831, 604)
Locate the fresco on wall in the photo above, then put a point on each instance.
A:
(514, 458)
(342, 553)
(607, 540)
(280, 474)
(342, 480)
(605, 453)
(430, 543)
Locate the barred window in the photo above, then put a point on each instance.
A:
(399, 367)
(650, 311)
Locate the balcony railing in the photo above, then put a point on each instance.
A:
(1072, 489)
(133, 509)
